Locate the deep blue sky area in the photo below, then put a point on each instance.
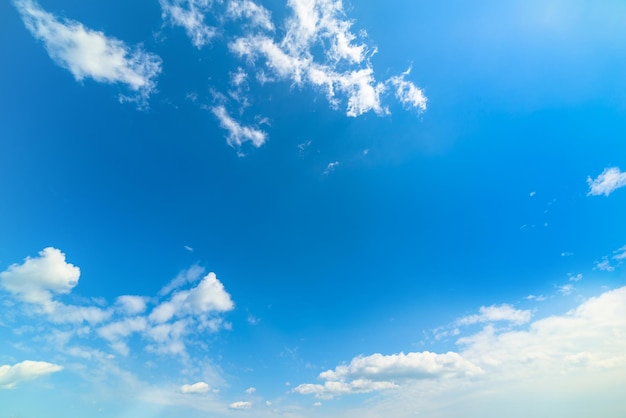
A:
(410, 219)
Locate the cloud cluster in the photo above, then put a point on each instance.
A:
(88, 53)
(378, 372)
(10, 376)
(163, 323)
(190, 14)
(607, 182)
(569, 354)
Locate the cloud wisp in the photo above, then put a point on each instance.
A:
(607, 182)
(89, 53)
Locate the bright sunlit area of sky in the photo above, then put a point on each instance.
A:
(312, 208)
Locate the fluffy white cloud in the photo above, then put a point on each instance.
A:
(10, 376)
(132, 305)
(571, 364)
(240, 405)
(190, 14)
(89, 53)
(379, 372)
(200, 387)
(237, 133)
(38, 279)
(497, 313)
(331, 389)
(250, 390)
(607, 182)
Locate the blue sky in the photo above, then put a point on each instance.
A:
(312, 208)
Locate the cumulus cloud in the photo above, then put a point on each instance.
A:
(497, 313)
(250, 390)
(200, 387)
(190, 14)
(10, 376)
(38, 279)
(240, 405)
(378, 372)
(209, 296)
(607, 182)
(238, 133)
(88, 53)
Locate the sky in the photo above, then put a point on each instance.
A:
(312, 208)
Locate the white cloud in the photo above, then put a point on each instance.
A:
(116, 332)
(250, 390)
(538, 298)
(566, 289)
(620, 254)
(607, 182)
(575, 278)
(89, 53)
(331, 167)
(257, 15)
(320, 50)
(10, 376)
(604, 265)
(190, 14)
(38, 279)
(132, 305)
(379, 372)
(497, 313)
(241, 405)
(571, 365)
(410, 95)
(200, 387)
(237, 133)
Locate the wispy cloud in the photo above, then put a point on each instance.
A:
(607, 182)
(10, 376)
(238, 133)
(496, 313)
(190, 14)
(88, 53)
(331, 167)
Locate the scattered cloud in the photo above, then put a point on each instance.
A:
(188, 248)
(604, 265)
(10, 376)
(497, 313)
(240, 405)
(237, 133)
(190, 14)
(408, 94)
(303, 146)
(566, 289)
(331, 167)
(88, 53)
(190, 275)
(250, 390)
(607, 182)
(575, 278)
(538, 298)
(532, 194)
(200, 387)
(620, 254)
